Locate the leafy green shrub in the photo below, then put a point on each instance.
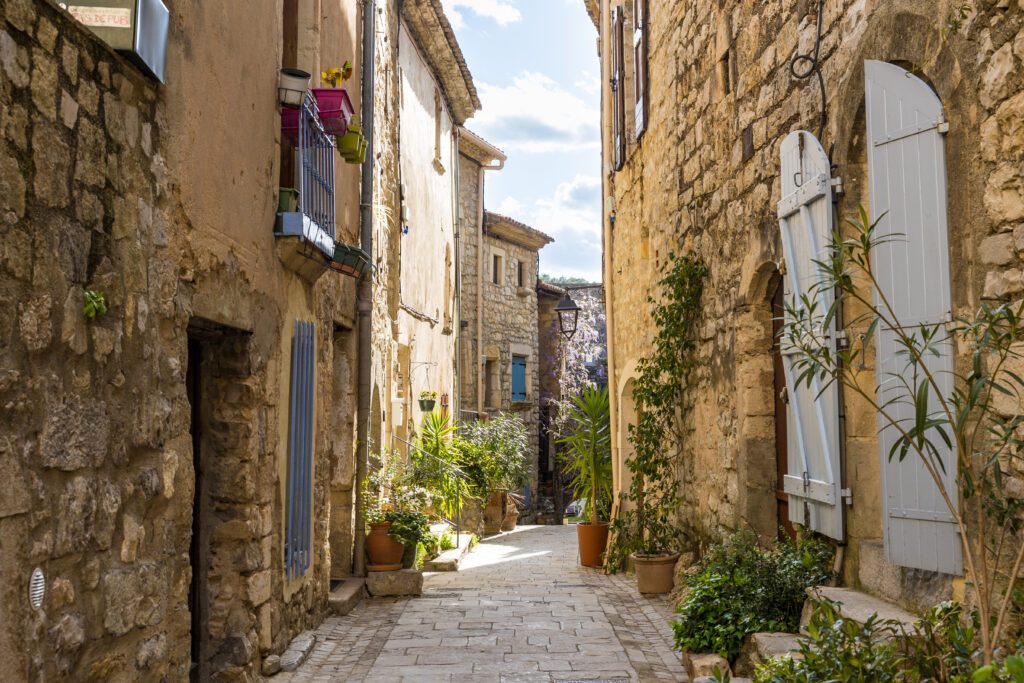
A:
(839, 649)
(740, 588)
(95, 304)
(1011, 670)
(505, 439)
(446, 542)
(944, 647)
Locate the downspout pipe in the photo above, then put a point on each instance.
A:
(364, 295)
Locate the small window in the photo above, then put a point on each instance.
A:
(640, 65)
(725, 76)
(518, 378)
(496, 269)
(520, 275)
(618, 89)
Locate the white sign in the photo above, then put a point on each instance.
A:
(106, 17)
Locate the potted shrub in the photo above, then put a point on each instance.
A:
(333, 103)
(500, 447)
(427, 400)
(511, 518)
(393, 507)
(589, 463)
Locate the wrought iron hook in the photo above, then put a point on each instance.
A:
(804, 66)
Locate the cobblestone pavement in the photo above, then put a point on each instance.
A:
(521, 609)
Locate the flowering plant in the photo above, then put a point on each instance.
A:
(335, 75)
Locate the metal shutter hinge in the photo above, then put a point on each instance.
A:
(847, 495)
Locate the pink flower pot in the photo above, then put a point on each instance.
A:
(335, 109)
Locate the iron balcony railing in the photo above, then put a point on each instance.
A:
(315, 168)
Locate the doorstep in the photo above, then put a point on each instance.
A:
(345, 597)
(449, 560)
(857, 607)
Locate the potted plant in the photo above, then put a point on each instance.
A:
(333, 103)
(352, 145)
(393, 507)
(499, 448)
(511, 519)
(288, 200)
(427, 400)
(589, 463)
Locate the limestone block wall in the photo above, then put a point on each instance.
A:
(145, 192)
(704, 176)
(470, 191)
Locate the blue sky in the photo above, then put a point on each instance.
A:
(535, 66)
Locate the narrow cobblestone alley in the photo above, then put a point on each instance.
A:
(520, 609)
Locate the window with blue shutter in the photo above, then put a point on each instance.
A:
(297, 547)
(518, 378)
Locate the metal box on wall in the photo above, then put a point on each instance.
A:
(135, 28)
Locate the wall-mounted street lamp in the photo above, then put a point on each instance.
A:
(568, 315)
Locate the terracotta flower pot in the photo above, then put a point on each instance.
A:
(511, 518)
(655, 573)
(593, 539)
(385, 553)
(494, 513)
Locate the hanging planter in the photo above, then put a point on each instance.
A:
(335, 109)
(292, 85)
(352, 145)
(427, 401)
(349, 260)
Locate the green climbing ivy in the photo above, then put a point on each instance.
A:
(649, 527)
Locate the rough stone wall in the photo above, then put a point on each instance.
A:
(103, 185)
(704, 176)
(510, 328)
(469, 231)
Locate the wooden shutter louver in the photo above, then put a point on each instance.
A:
(640, 40)
(618, 89)
(907, 178)
(806, 222)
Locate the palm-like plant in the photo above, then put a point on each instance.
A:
(590, 449)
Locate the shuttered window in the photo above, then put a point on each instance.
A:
(518, 378)
(618, 89)
(297, 546)
(640, 37)
(812, 482)
(907, 179)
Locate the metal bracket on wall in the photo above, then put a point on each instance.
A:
(847, 495)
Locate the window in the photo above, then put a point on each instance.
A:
(725, 75)
(518, 378)
(640, 65)
(496, 264)
(491, 384)
(520, 274)
(438, 112)
(618, 89)
(297, 547)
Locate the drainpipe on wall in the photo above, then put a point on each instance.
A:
(457, 313)
(365, 294)
(480, 278)
(606, 241)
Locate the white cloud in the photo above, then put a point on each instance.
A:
(572, 215)
(536, 114)
(501, 11)
(588, 82)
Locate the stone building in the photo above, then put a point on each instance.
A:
(698, 104)
(550, 340)
(500, 262)
(181, 467)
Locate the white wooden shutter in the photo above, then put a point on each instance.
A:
(806, 222)
(618, 89)
(907, 176)
(640, 38)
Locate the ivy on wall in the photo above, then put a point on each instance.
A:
(650, 528)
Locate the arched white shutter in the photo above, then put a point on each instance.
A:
(907, 175)
(806, 222)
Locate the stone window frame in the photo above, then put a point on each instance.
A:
(497, 269)
(492, 380)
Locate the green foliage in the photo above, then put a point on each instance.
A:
(1010, 670)
(446, 542)
(944, 647)
(438, 470)
(505, 439)
(839, 649)
(589, 460)
(955, 18)
(650, 528)
(409, 527)
(428, 395)
(95, 304)
(739, 588)
(986, 441)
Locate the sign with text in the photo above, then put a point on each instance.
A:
(105, 17)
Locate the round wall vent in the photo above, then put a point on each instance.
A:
(36, 588)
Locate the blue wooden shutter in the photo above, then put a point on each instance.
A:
(907, 175)
(806, 222)
(300, 450)
(518, 378)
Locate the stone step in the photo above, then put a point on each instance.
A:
(449, 560)
(397, 583)
(702, 664)
(857, 607)
(345, 597)
(298, 650)
(759, 647)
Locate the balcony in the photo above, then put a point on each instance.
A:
(305, 227)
